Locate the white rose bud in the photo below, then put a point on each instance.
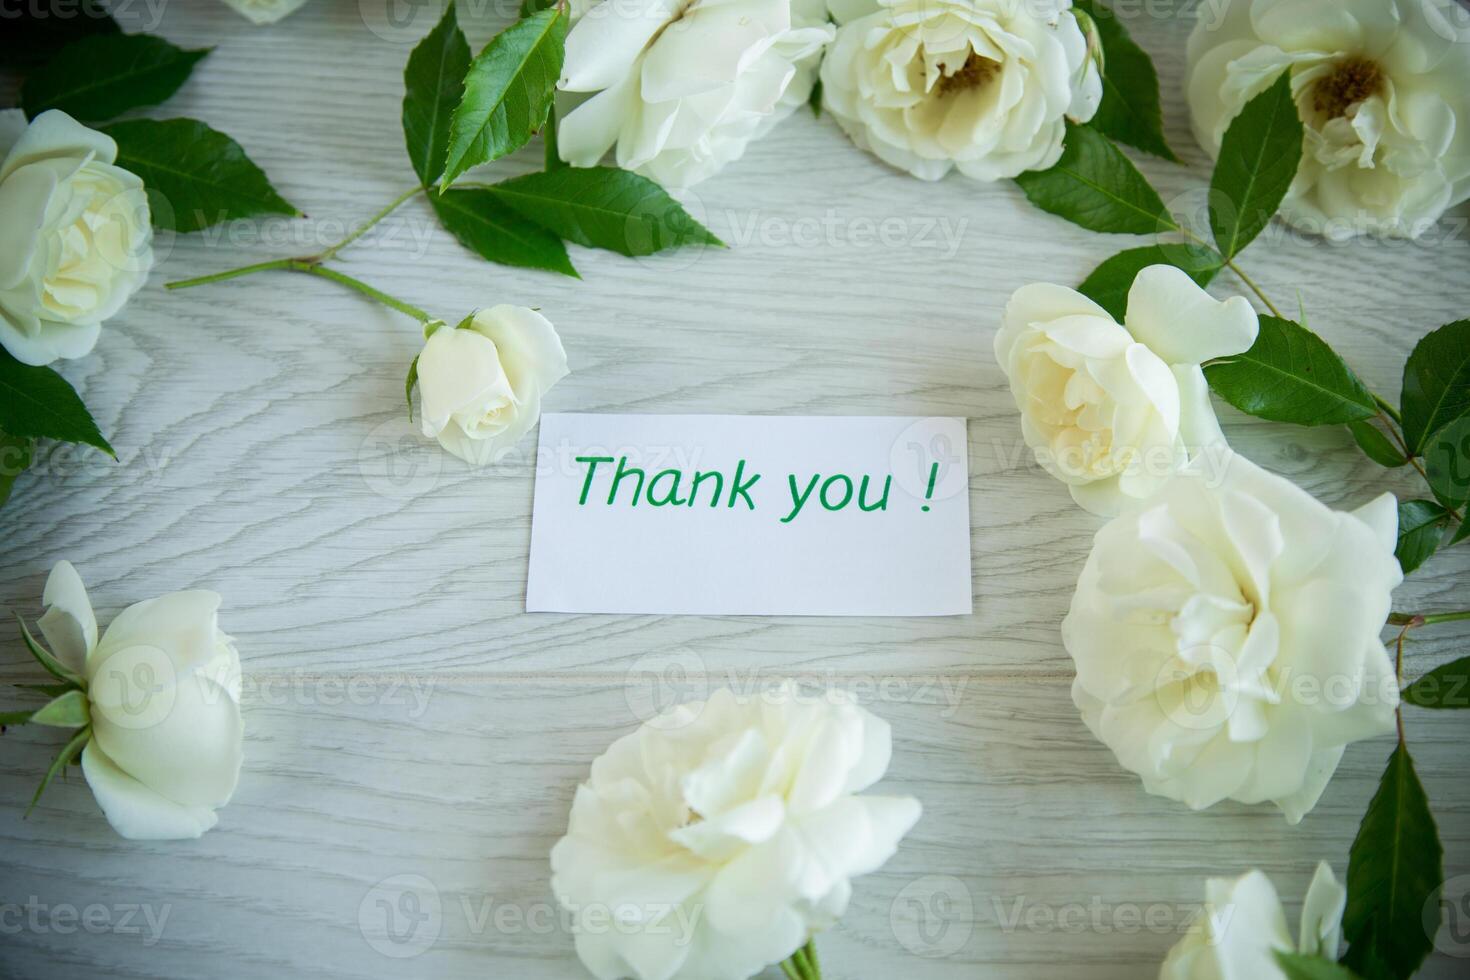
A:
(163, 686)
(264, 11)
(683, 86)
(721, 835)
(1113, 410)
(982, 86)
(1227, 637)
(482, 382)
(1380, 86)
(75, 236)
(1244, 926)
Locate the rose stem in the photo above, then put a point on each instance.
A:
(311, 268)
(1412, 620)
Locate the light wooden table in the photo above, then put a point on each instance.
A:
(412, 736)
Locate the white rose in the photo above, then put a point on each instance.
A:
(683, 86)
(264, 11)
(721, 835)
(1114, 410)
(163, 687)
(1226, 637)
(1380, 86)
(75, 236)
(984, 86)
(481, 383)
(1244, 927)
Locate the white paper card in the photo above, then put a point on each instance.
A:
(751, 515)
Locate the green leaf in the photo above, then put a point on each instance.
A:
(1258, 160)
(814, 101)
(1436, 383)
(433, 84)
(1446, 686)
(1094, 185)
(529, 7)
(1394, 870)
(1129, 111)
(507, 93)
(68, 710)
(485, 226)
(1375, 445)
(15, 459)
(37, 403)
(1421, 526)
(196, 176)
(1447, 464)
(33, 33)
(8, 718)
(62, 760)
(408, 385)
(1108, 284)
(1299, 966)
(1461, 533)
(604, 207)
(1291, 375)
(46, 659)
(102, 76)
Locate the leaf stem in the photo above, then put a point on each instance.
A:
(802, 964)
(1398, 673)
(1387, 412)
(312, 267)
(321, 271)
(1230, 264)
(1383, 415)
(231, 274)
(811, 958)
(1255, 289)
(392, 206)
(1386, 408)
(1412, 620)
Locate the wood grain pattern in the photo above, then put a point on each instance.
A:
(264, 454)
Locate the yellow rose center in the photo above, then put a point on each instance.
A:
(1353, 80)
(975, 72)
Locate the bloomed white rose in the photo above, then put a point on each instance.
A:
(1113, 410)
(1227, 637)
(163, 688)
(1244, 926)
(481, 383)
(75, 236)
(1380, 86)
(264, 11)
(721, 835)
(982, 86)
(683, 86)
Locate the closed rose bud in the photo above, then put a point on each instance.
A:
(1243, 927)
(163, 688)
(482, 382)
